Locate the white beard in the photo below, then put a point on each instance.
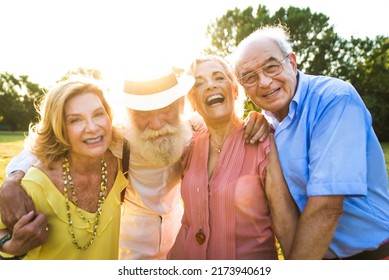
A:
(159, 148)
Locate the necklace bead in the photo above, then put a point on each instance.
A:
(68, 181)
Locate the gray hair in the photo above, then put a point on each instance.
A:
(278, 33)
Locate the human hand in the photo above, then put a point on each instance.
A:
(14, 202)
(257, 127)
(29, 232)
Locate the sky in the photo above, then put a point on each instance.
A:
(45, 38)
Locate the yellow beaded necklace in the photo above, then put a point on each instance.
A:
(68, 180)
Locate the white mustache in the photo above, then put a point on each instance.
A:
(167, 129)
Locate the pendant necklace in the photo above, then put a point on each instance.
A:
(218, 147)
(200, 236)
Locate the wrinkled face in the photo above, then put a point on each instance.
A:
(88, 125)
(213, 94)
(159, 136)
(275, 93)
(157, 119)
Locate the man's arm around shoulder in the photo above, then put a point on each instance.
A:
(14, 202)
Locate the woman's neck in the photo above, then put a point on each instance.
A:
(219, 131)
(85, 165)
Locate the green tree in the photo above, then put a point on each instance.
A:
(370, 77)
(320, 51)
(226, 32)
(17, 98)
(313, 39)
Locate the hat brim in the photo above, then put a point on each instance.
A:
(155, 101)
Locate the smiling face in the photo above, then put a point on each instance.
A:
(88, 125)
(214, 93)
(159, 136)
(272, 94)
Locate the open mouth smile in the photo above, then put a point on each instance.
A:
(214, 99)
(93, 140)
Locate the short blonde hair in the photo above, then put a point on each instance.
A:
(227, 70)
(48, 139)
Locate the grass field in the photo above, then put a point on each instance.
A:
(11, 143)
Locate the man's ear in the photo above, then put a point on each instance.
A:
(236, 91)
(293, 60)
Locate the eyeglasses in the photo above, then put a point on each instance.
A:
(269, 70)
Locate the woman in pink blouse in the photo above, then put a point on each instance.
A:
(230, 189)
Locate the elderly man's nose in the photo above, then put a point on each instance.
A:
(264, 80)
(155, 121)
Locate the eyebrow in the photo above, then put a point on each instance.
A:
(94, 111)
(213, 74)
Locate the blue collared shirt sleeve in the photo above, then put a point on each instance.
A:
(337, 153)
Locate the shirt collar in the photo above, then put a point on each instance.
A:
(300, 94)
(297, 100)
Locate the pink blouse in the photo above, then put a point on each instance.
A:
(230, 210)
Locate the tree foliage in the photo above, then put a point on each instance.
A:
(17, 99)
(233, 27)
(371, 78)
(320, 51)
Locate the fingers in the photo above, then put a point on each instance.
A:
(39, 230)
(257, 128)
(29, 232)
(40, 222)
(261, 134)
(24, 220)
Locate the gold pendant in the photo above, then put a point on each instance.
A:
(200, 237)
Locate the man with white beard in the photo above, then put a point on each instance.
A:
(157, 134)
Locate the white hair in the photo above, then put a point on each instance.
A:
(161, 147)
(278, 33)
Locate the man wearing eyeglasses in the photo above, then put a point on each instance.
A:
(331, 158)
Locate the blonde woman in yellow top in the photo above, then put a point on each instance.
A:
(77, 182)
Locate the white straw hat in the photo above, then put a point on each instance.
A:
(156, 93)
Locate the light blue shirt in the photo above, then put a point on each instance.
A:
(327, 146)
